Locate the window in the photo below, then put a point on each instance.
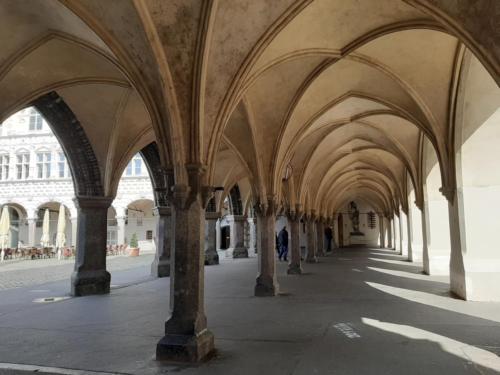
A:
(36, 121)
(43, 160)
(23, 166)
(111, 238)
(137, 166)
(149, 235)
(134, 167)
(129, 169)
(4, 166)
(62, 166)
(372, 221)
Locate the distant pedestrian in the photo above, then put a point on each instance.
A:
(283, 244)
(329, 238)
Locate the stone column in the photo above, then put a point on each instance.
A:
(294, 267)
(320, 232)
(32, 231)
(311, 238)
(252, 235)
(211, 255)
(90, 275)
(267, 282)
(382, 230)
(187, 338)
(120, 230)
(237, 247)
(389, 234)
(74, 229)
(161, 263)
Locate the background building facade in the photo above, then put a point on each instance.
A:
(35, 176)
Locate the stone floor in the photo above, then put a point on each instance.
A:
(21, 273)
(362, 311)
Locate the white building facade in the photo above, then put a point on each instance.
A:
(35, 176)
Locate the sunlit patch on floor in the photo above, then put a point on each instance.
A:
(471, 354)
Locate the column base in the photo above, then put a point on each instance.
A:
(160, 268)
(312, 260)
(237, 252)
(294, 269)
(320, 254)
(211, 257)
(266, 287)
(185, 348)
(86, 283)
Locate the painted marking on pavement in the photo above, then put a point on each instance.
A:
(50, 299)
(347, 330)
(51, 370)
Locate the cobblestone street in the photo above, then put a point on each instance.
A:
(17, 274)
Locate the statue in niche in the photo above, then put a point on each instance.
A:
(354, 216)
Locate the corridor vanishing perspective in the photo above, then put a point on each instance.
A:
(325, 128)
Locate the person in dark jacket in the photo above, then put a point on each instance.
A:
(283, 243)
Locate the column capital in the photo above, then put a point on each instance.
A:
(310, 216)
(448, 192)
(266, 208)
(162, 211)
(85, 201)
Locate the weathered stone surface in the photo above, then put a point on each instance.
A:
(161, 264)
(267, 282)
(294, 267)
(211, 255)
(90, 275)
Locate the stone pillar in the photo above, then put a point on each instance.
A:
(90, 275)
(382, 230)
(74, 229)
(237, 247)
(266, 283)
(187, 338)
(161, 263)
(311, 238)
(211, 255)
(217, 235)
(252, 235)
(294, 267)
(389, 234)
(320, 232)
(32, 231)
(120, 230)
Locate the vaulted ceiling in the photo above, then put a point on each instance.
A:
(333, 97)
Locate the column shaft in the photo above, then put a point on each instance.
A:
(237, 247)
(311, 240)
(90, 275)
(186, 337)
(320, 231)
(267, 282)
(294, 267)
(382, 231)
(211, 255)
(31, 231)
(161, 263)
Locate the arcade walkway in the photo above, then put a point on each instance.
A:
(363, 311)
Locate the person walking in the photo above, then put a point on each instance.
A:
(283, 243)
